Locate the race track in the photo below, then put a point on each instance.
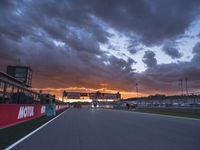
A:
(102, 129)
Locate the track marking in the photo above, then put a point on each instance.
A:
(28, 135)
(169, 116)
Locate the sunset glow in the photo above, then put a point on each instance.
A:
(87, 46)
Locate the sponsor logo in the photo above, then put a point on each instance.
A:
(26, 111)
(42, 109)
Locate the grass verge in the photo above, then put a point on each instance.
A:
(178, 114)
(11, 134)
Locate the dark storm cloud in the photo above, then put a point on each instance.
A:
(154, 21)
(133, 48)
(61, 40)
(149, 59)
(163, 78)
(171, 49)
(196, 49)
(196, 52)
(30, 30)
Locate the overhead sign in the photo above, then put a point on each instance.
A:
(95, 95)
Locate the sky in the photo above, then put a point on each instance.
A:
(106, 45)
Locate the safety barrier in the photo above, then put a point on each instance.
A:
(11, 114)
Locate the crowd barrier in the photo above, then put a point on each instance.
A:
(11, 114)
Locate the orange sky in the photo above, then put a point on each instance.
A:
(58, 91)
(91, 49)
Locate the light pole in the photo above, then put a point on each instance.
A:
(181, 86)
(186, 85)
(136, 88)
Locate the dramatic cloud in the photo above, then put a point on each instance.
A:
(102, 44)
(196, 49)
(196, 52)
(153, 21)
(164, 77)
(149, 59)
(170, 49)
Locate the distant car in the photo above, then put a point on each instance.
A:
(182, 105)
(175, 104)
(95, 104)
(194, 104)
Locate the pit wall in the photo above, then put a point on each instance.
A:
(11, 114)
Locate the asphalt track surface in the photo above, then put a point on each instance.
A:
(101, 129)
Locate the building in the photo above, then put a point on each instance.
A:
(12, 91)
(165, 101)
(17, 90)
(21, 73)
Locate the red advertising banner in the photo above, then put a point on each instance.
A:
(11, 114)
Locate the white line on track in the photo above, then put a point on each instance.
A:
(28, 135)
(170, 116)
